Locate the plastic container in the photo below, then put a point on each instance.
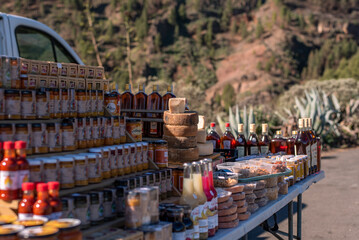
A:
(252, 207)
(248, 187)
(260, 193)
(271, 182)
(224, 179)
(250, 198)
(261, 201)
(283, 187)
(272, 193)
(261, 184)
(67, 164)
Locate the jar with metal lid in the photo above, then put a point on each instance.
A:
(126, 159)
(161, 153)
(111, 103)
(69, 228)
(81, 103)
(100, 99)
(68, 138)
(139, 162)
(35, 170)
(122, 129)
(72, 103)
(28, 106)
(53, 134)
(39, 233)
(81, 135)
(116, 130)
(50, 169)
(134, 129)
(12, 104)
(89, 138)
(109, 206)
(81, 210)
(67, 179)
(55, 101)
(96, 132)
(132, 157)
(64, 98)
(22, 134)
(93, 103)
(163, 184)
(120, 163)
(96, 208)
(38, 139)
(109, 138)
(169, 182)
(145, 155)
(94, 169)
(42, 105)
(6, 133)
(105, 161)
(151, 151)
(80, 170)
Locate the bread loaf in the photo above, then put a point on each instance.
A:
(244, 216)
(187, 118)
(240, 203)
(182, 155)
(180, 130)
(181, 142)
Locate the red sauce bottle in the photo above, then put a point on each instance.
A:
(9, 188)
(228, 141)
(55, 202)
(42, 207)
(154, 102)
(253, 142)
(241, 142)
(265, 141)
(27, 202)
(214, 137)
(127, 100)
(22, 163)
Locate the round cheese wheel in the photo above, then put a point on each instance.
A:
(180, 142)
(201, 136)
(235, 189)
(205, 149)
(244, 216)
(187, 118)
(182, 155)
(227, 211)
(238, 196)
(231, 224)
(225, 204)
(228, 218)
(180, 130)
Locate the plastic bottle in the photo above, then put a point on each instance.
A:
(55, 202)
(22, 163)
(214, 202)
(27, 202)
(9, 187)
(42, 207)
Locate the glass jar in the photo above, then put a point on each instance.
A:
(2, 103)
(81, 103)
(96, 208)
(101, 129)
(68, 138)
(42, 106)
(35, 170)
(161, 153)
(113, 161)
(126, 159)
(120, 161)
(109, 139)
(81, 136)
(53, 134)
(108, 205)
(55, 98)
(81, 173)
(132, 157)
(145, 155)
(139, 162)
(66, 172)
(64, 98)
(105, 161)
(15, 72)
(122, 129)
(100, 100)
(69, 228)
(81, 209)
(134, 129)
(96, 132)
(116, 130)
(89, 138)
(28, 106)
(151, 151)
(12, 104)
(94, 170)
(111, 103)
(22, 134)
(50, 169)
(88, 103)
(38, 139)
(93, 103)
(72, 103)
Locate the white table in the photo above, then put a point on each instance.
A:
(272, 207)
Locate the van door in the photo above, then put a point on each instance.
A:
(5, 39)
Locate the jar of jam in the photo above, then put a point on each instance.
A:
(53, 134)
(64, 98)
(55, 101)
(109, 139)
(22, 134)
(28, 106)
(94, 168)
(134, 129)
(81, 176)
(12, 104)
(96, 132)
(139, 162)
(89, 137)
(69, 228)
(120, 163)
(68, 138)
(42, 105)
(100, 100)
(116, 130)
(67, 179)
(93, 103)
(6, 132)
(81, 103)
(35, 170)
(126, 159)
(112, 103)
(39, 142)
(81, 136)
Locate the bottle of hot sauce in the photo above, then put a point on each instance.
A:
(140, 101)
(127, 100)
(165, 98)
(27, 202)
(253, 143)
(154, 102)
(42, 207)
(264, 143)
(227, 140)
(9, 188)
(214, 137)
(55, 202)
(22, 163)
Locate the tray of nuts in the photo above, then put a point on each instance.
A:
(225, 179)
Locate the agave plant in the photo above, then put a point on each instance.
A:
(235, 119)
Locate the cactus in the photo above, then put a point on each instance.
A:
(235, 118)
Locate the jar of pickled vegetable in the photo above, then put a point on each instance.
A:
(39, 144)
(68, 138)
(12, 104)
(28, 106)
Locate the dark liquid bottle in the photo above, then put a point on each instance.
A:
(154, 102)
(241, 146)
(291, 143)
(228, 141)
(253, 143)
(311, 142)
(214, 137)
(140, 102)
(278, 143)
(175, 216)
(314, 145)
(302, 143)
(166, 98)
(127, 101)
(265, 141)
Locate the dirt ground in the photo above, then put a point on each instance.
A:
(331, 206)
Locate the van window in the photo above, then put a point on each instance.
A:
(37, 45)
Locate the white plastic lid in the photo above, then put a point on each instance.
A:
(119, 146)
(66, 159)
(91, 155)
(79, 157)
(144, 143)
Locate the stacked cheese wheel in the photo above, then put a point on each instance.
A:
(180, 131)
(239, 199)
(205, 148)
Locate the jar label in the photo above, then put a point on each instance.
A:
(24, 176)
(226, 144)
(42, 108)
(153, 128)
(94, 170)
(64, 106)
(82, 214)
(179, 235)
(106, 164)
(113, 162)
(28, 108)
(68, 139)
(96, 212)
(57, 106)
(23, 216)
(116, 132)
(81, 106)
(240, 151)
(5, 136)
(161, 156)
(214, 142)
(9, 180)
(66, 175)
(139, 158)
(99, 105)
(264, 149)
(54, 139)
(109, 132)
(50, 174)
(94, 105)
(314, 153)
(81, 134)
(12, 106)
(88, 133)
(95, 132)
(307, 149)
(195, 215)
(122, 130)
(203, 225)
(80, 172)
(37, 139)
(210, 214)
(132, 160)
(190, 234)
(254, 150)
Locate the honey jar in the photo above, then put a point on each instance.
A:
(120, 163)
(112, 104)
(28, 106)
(54, 141)
(100, 100)
(116, 130)
(126, 159)
(50, 171)
(93, 110)
(93, 167)
(122, 129)
(96, 132)
(57, 104)
(72, 103)
(64, 98)
(35, 170)
(15, 72)
(161, 153)
(81, 103)
(67, 179)
(113, 161)
(12, 104)
(39, 141)
(132, 157)
(139, 163)
(105, 161)
(42, 105)
(81, 175)
(134, 129)
(68, 138)
(145, 155)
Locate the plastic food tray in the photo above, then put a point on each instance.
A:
(244, 180)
